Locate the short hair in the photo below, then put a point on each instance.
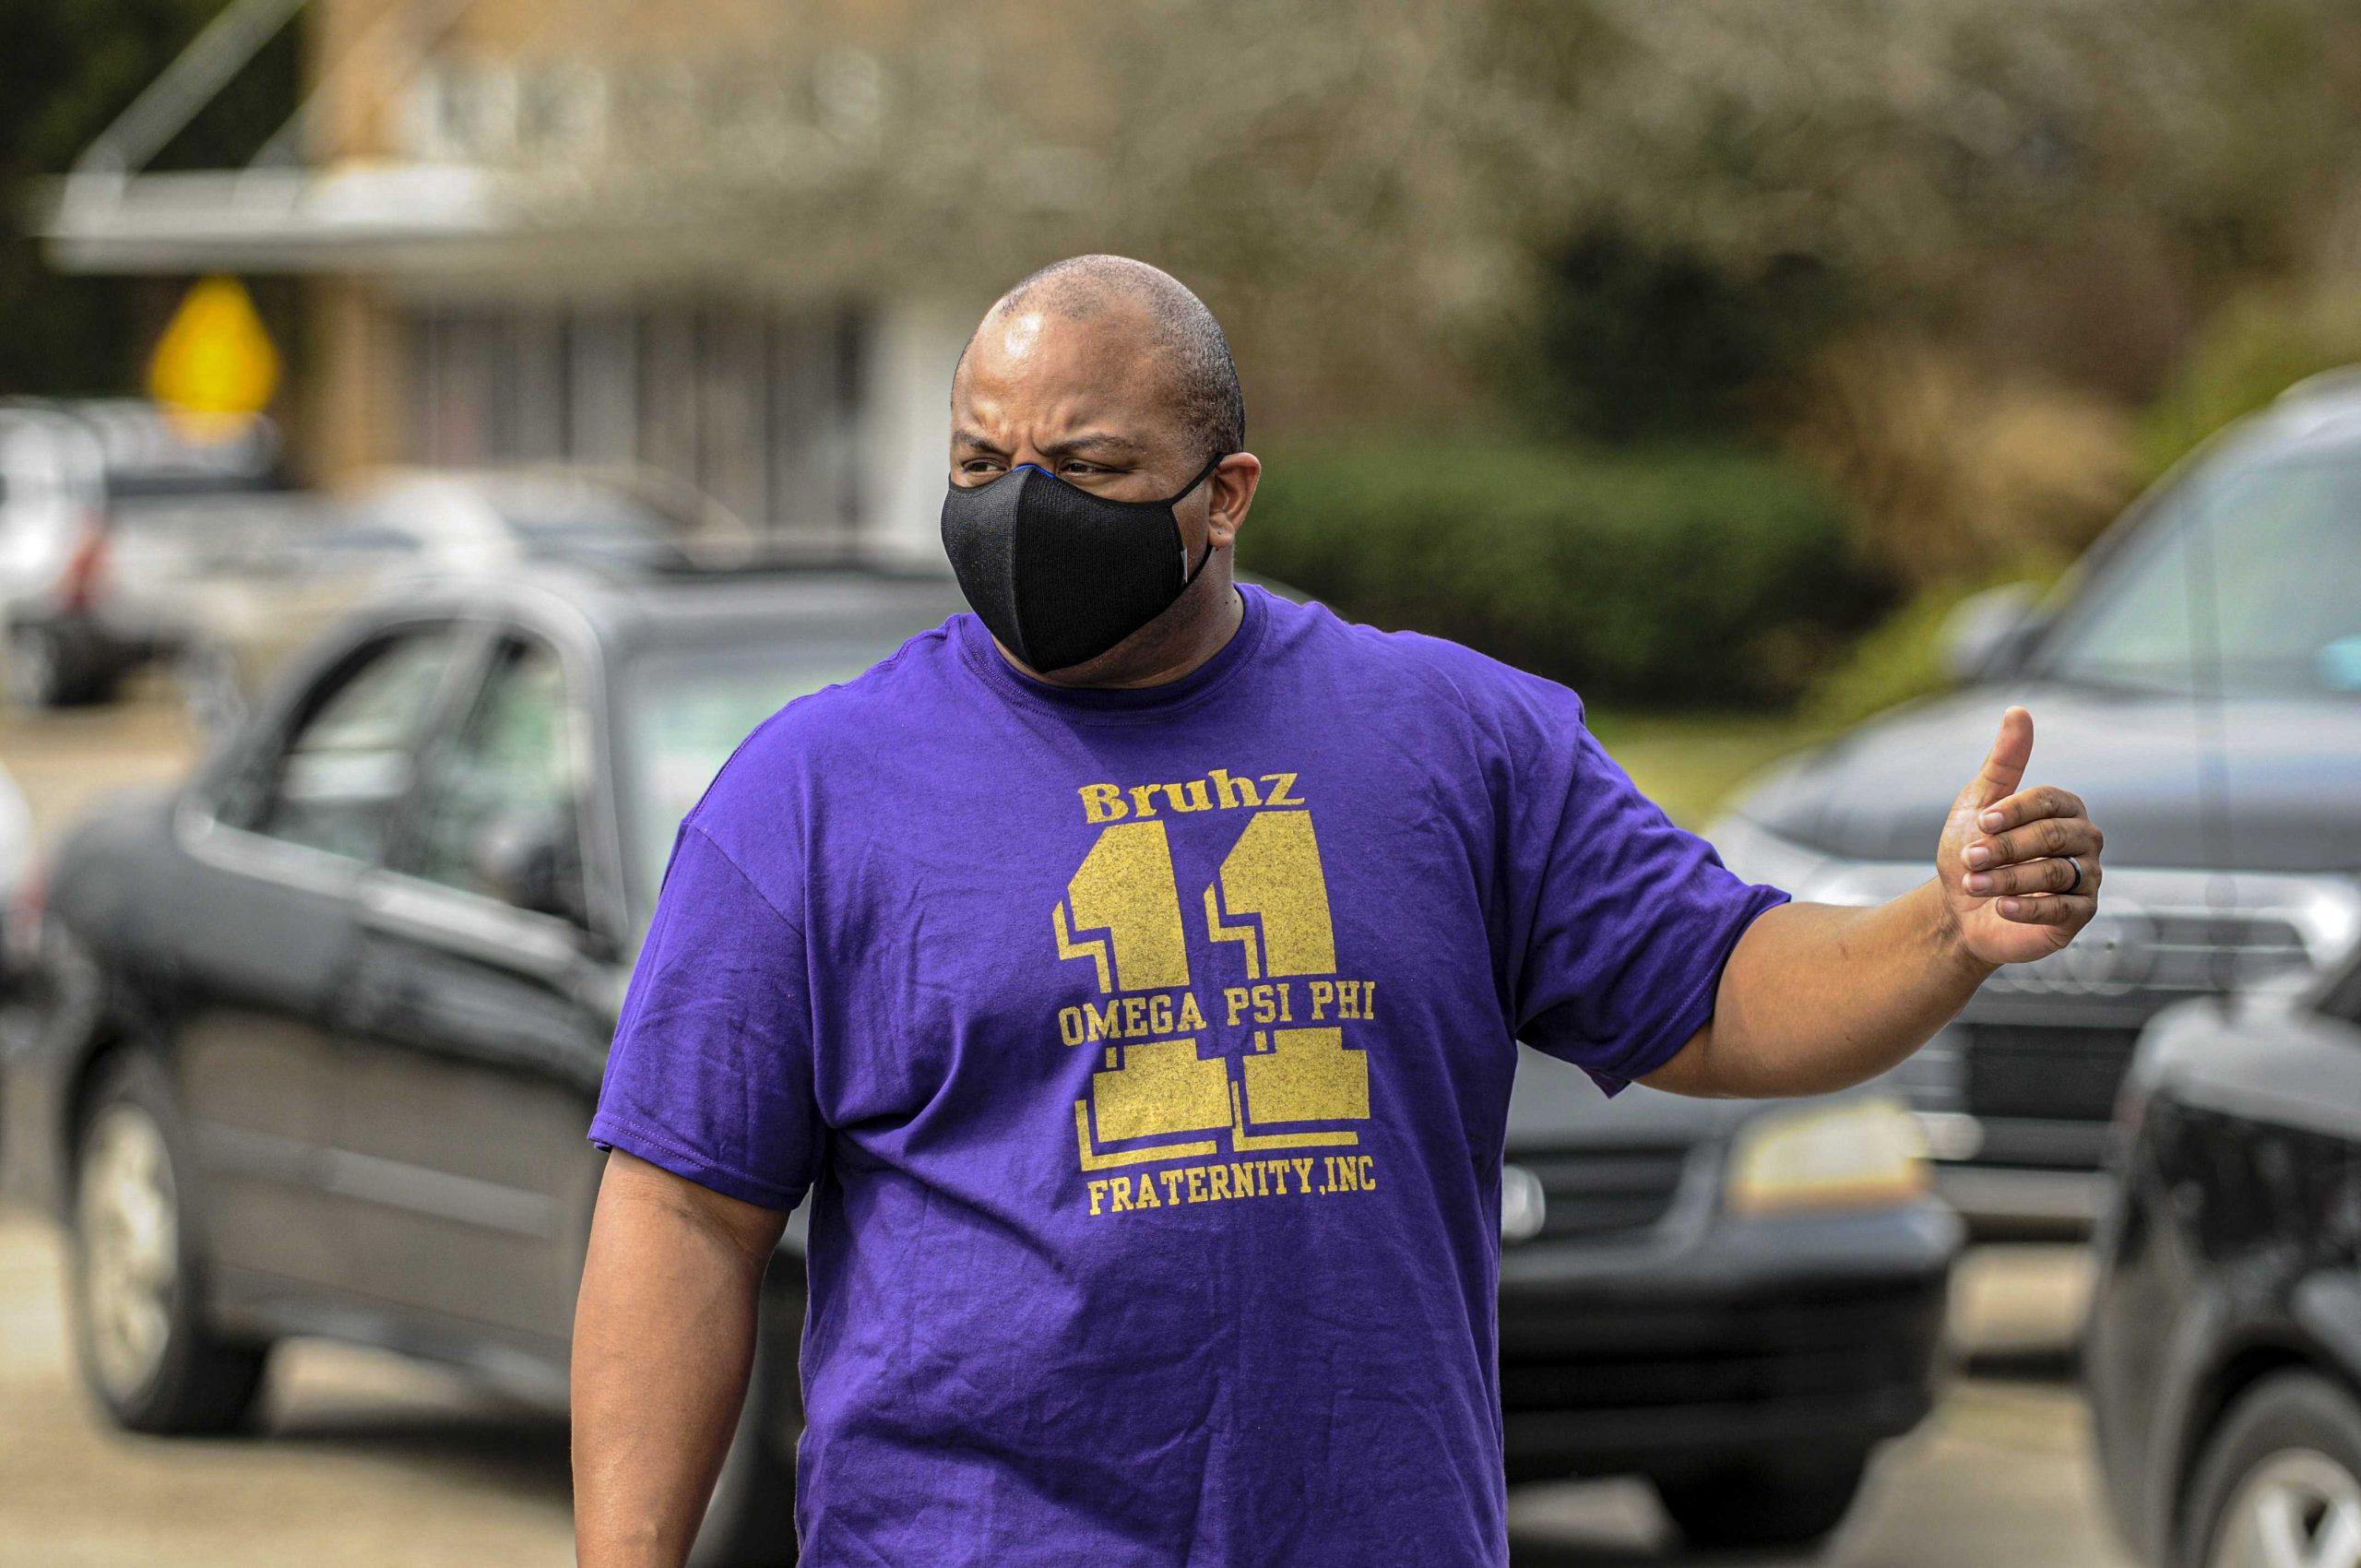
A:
(1205, 377)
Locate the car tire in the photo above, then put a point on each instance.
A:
(749, 1522)
(45, 672)
(2287, 1456)
(136, 1274)
(1763, 1502)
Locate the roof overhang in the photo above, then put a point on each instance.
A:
(353, 219)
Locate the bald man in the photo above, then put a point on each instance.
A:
(1132, 971)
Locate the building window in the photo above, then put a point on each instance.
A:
(755, 408)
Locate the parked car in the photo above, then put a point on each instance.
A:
(87, 491)
(326, 1026)
(248, 599)
(2195, 681)
(488, 519)
(1738, 1302)
(193, 570)
(2224, 1351)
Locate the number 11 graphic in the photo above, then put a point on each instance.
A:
(1274, 872)
(1126, 888)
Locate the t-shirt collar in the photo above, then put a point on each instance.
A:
(975, 645)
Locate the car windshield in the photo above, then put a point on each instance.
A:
(558, 520)
(684, 707)
(2255, 576)
(586, 523)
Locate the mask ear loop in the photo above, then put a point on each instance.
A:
(1188, 573)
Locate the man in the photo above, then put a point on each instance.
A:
(1133, 972)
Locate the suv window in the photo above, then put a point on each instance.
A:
(2280, 546)
(346, 763)
(498, 810)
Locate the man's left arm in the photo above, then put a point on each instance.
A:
(1816, 997)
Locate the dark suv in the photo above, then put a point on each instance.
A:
(324, 1029)
(2224, 1351)
(2198, 681)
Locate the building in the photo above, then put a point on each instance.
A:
(467, 302)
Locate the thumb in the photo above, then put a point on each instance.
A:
(2004, 766)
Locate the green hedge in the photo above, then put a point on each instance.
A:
(2255, 347)
(1688, 576)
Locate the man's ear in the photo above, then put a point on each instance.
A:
(1233, 488)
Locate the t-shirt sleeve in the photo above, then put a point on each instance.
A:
(1628, 918)
(711, 1074)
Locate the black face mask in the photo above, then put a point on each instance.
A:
(1058, 575)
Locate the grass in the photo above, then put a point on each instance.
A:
(1690, 763)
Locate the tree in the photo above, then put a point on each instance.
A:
(1369, 185)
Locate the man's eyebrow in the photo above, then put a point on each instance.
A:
(1105, 443)
(1101, 443)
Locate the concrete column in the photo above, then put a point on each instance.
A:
(905, 424)
(358, 400)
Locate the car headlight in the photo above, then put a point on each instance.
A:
(1854, 1154)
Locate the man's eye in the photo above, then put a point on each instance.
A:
(979, 466)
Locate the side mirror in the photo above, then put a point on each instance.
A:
(1984, 631)
(531, 861)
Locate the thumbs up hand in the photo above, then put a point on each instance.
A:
(2020, 868)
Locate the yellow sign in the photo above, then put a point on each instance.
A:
(215, 361)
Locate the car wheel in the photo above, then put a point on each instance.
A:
(749, 1522)
(36, 669)
(44, 672)
(2279, 1485)
(145, 1349)
(1763, 1502)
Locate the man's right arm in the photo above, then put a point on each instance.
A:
(663, 1335)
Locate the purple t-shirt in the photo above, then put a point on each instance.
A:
(1146, 1054)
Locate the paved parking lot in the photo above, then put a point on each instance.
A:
(365, 1460)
